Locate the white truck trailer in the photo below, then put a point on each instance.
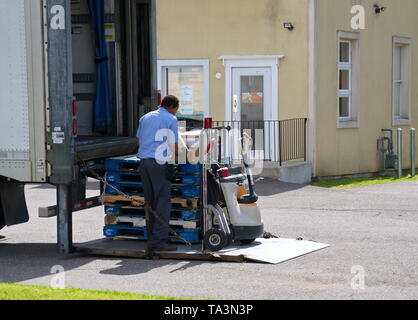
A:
(75, 77)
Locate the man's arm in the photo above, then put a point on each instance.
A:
(174, 145)
(138, 134)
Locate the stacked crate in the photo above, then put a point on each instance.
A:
(125, 218)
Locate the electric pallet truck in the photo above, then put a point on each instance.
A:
(230, 210)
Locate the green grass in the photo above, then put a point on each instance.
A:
(344, 183)
(22, 292)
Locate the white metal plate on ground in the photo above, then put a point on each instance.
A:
(14, 120)
(271, 251)
(275, 250)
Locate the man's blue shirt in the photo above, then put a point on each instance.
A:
(156, 129)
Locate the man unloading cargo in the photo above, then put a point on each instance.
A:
(158, 137)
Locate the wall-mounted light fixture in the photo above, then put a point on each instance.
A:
(378, 9)
(289, 26)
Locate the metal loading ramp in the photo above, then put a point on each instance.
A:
(273, 251)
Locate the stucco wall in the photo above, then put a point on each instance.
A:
(202, 29)
(347, 151)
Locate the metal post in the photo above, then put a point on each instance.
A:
(413, 163)
(399, 153)
(64, 221)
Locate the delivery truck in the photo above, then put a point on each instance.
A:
(75, 76)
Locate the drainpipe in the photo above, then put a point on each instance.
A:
(413, 152)
(399, 153)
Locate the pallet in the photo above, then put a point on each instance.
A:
(140, 222)
(138, 201)
(190, 168)
(124, 232)
(138, 249)
(130, 163)
(177, 191)
(180, 213)
(134, 177)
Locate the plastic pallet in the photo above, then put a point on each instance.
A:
(134, 177)
(112, 231)
(182, 214)
(140, 222)
(176, 203)
(177, 191)
(130, 163)
(190, 168)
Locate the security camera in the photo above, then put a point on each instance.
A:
(289, 26)
(378, 9)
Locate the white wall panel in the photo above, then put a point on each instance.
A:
(14, 101)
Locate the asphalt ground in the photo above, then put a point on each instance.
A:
(373, 253)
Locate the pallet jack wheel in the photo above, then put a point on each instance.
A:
(215, 240)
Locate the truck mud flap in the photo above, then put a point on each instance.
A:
(13, 208)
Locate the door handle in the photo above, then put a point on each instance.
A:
(235, 104)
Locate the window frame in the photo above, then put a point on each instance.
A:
(353, 92)
(405, 81)
(163, 65)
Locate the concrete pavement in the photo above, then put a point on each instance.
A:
(371, 229)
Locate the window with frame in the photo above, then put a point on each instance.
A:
(347, 80)
(189, 81)
(401, 80)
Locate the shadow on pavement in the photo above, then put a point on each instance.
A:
(28, 261)
(271, 187)
(132, 266)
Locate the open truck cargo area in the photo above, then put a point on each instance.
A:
(76, 77)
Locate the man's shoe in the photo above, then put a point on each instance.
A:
(165, 247)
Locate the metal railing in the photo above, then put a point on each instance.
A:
(273, 140)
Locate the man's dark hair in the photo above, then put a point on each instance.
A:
(170, 102)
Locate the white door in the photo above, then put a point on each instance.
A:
(252, 109)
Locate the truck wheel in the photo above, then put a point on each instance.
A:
(215, 240)
(248, 241)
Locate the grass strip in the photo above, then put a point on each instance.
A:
(345, 183)
(25, 292)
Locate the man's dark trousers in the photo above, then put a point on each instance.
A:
(157, 189)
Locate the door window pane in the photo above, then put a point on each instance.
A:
(345, 52)
(345, 80)
(252, 98)
(188, 84)
(344, 107)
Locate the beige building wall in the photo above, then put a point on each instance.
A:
(208, 29)
(348, 151)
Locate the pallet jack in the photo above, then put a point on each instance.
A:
(230, 210)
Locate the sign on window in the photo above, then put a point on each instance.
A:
(188, 84)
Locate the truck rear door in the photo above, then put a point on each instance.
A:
(22, 91)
